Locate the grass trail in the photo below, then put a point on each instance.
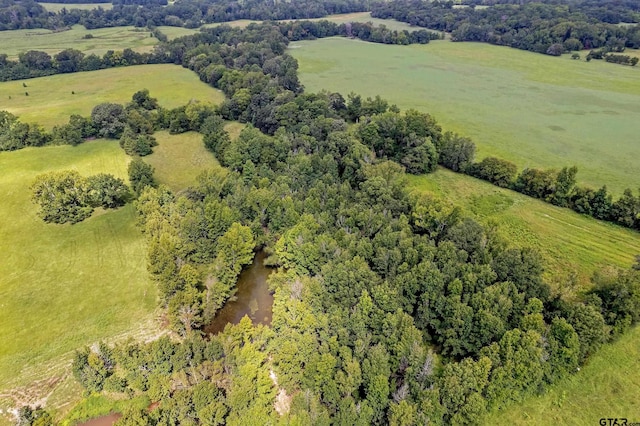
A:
(179, 159)
(573, 246)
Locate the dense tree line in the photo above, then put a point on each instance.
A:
(388, 307)
(188, 13)
(35, 63)
(545, 27)
(555, 187)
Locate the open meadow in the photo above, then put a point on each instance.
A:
(72, 285)
(57, 7)
(51, 100)
(103, 39)
(532, 109)
(179, 159)
(65, 286)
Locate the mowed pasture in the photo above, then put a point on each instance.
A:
(65, 286)
(53, 99)
(573, 246)
(15, 42)
(532, 109)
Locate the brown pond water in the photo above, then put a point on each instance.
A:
(107, 420)
(252, 298)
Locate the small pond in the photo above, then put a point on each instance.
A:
(252, 298)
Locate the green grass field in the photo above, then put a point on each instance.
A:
(118, 38)
(65, 286)
(573, 246)
(57, 7)
(71, 285)
(535, 110)
(179, 159)
(607, 387)
(51, 102)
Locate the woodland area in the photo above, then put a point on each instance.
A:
(389, 308)
(549, 27)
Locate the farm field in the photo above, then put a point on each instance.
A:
(118, 38)
(607, 386)
(573, 246)
(532, 109)
(179, 159)
(57, 7)
(51, 102)
(65, 286)
(93, 272)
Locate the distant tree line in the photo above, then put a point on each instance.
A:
(28, 14)
(34, 63)
(545, 27)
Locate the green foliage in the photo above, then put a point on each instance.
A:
(216, 139)
(109, 119)
(619, 296)
(464, 383)
(497, 171)
(140, 175)
(107, 191)
(62, 197)
(91, 368)
(456, 152)
(16, 135)
(68, 197)
(408, 139)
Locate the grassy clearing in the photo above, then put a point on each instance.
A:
(65, 286)
(51, 102)
(343, 18)
(573, 246)
(175, 32)
(608, 386)
(535, 110)
(118, 38)
(57, 7)
(179, 159)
